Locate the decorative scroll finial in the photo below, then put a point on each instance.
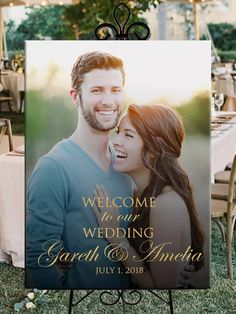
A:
(121, 32)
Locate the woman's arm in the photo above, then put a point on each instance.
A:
(141, 276)
(170, 222)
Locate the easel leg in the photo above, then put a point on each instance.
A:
(70, 301)
(71, 304)
(171, 302)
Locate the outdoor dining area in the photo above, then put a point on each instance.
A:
(222, 133)
(12, 91)
(223, 156)
(11, 199)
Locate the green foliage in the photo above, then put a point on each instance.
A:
(196, 113)
(224, 36)
(44, 115)
(15, 39)
(46, 23)
(84, 17)
(48, 120)
(12, 53)
(227, 56)
(41, 23)
(69, 22)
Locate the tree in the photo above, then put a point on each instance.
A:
(87, 14)
(15, 40)
(70, 22)
(224, 36)
(41, 23)
(45, 23)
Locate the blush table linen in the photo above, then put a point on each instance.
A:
(12, 209)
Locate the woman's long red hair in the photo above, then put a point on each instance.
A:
(162, 132)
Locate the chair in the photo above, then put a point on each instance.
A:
(5, 97)
(230, 103)
(228, 167)
(223, 206)
(5, 125)
(233, 75)
(222, 177)
(22, 99)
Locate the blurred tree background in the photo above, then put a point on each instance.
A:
(48, 120)
(73, 22)
(196, 114)
(224, 37)
(56, 115)
(69, 22)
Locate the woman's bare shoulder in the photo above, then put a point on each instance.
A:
(169, 203)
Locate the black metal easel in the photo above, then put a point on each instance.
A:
(120, 297)
(121, 33)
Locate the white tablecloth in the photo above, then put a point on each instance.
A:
(15, 82)
(12, 209)
(223, 146)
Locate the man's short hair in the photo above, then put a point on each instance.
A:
(94, 60)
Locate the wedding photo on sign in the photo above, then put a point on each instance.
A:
(117, 164)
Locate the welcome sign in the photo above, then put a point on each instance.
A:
(116, 195)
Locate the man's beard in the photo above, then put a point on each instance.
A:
(94, 123)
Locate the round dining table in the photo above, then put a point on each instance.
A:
(223, 141)
(12, 212)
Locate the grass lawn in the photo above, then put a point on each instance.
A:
(17, 121)
(220, 299)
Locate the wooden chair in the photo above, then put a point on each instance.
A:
(222, 177)
(22, 99)
(5, 97)
(223, 206)
(228, 167)
(5, 125)
(233, 75)
(230, 104)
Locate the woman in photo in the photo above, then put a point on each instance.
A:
(147, 147)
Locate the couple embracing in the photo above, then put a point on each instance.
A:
(119, 213)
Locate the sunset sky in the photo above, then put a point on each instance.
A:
(173, 70)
